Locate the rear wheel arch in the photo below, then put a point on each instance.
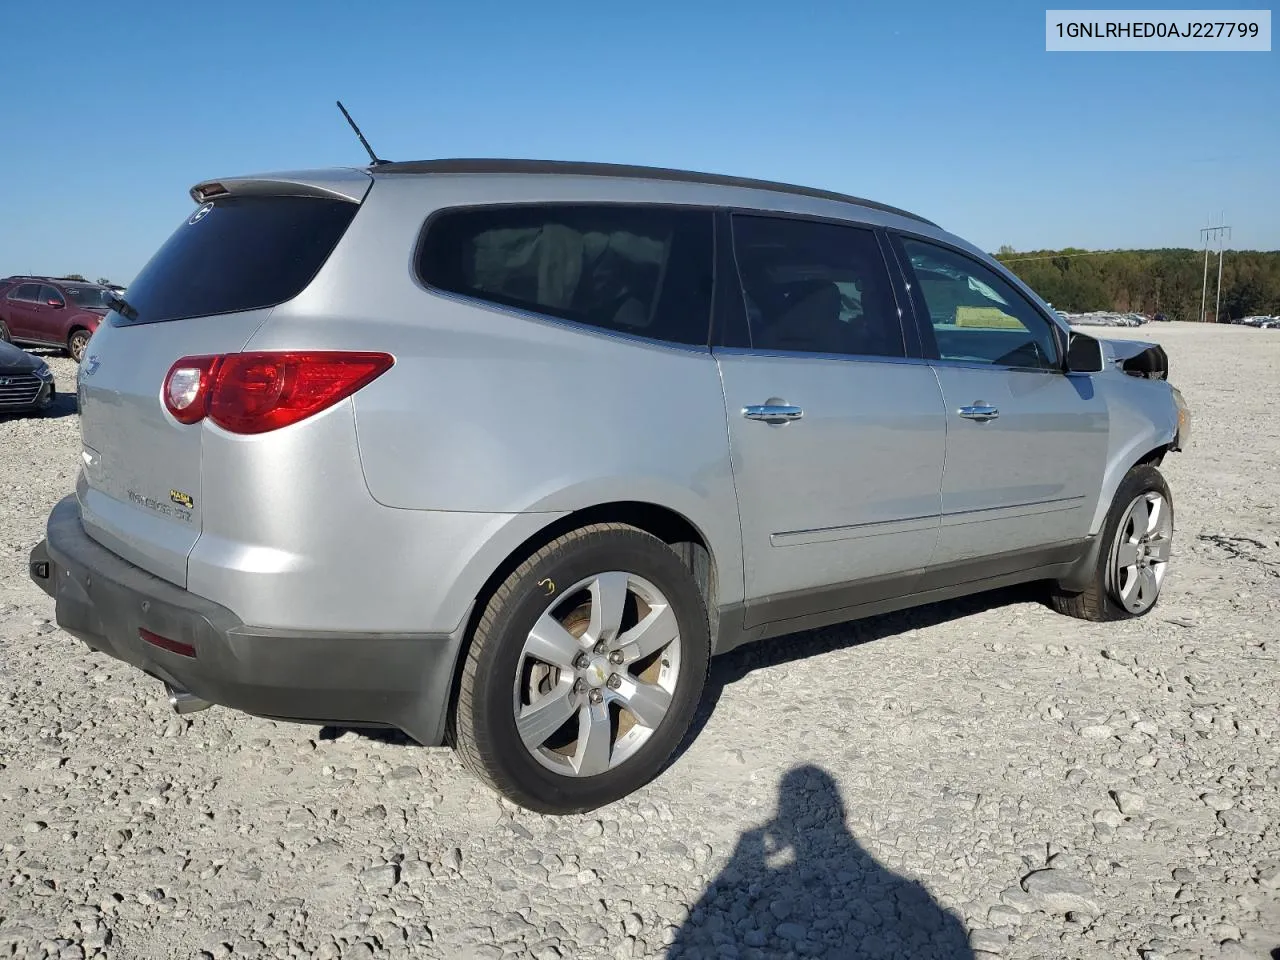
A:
(669, 526)
(679, 533)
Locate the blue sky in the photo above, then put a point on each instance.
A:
(955, 111)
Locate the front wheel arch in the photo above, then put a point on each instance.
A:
(1084, 592)
(1147, 448)
(1153, 458)
(1082, 570)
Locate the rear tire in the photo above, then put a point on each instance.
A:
(1119, 589)
(4, 332)
(77, 342)
(545, 706)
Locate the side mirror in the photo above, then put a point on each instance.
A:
(55, 303)
(1084, 354)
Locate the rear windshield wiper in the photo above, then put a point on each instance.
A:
(122, 307)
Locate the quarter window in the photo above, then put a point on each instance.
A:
(645, 271)
(816, 288)
(976, 315)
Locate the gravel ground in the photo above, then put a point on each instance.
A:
(972, 779)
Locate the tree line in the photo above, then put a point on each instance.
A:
(1139, 281)
(1151, 281)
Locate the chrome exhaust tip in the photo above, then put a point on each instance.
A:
(183, 702)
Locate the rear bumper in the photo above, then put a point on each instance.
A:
(397, 680)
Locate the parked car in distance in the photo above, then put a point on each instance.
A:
(45, 312)
(1104, 318)
(500, 453)
(26, 382)
(1260, 321)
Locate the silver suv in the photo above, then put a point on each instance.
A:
(500, 453)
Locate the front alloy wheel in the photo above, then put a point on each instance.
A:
(1127, 567)
(1140, 554)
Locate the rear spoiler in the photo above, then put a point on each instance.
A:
(342, 183)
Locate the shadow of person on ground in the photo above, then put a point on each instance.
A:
(802, 886)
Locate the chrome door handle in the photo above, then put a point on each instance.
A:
(979, 411)
(772, 412)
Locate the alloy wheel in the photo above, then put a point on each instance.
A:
(79, 340)
(596, 674)
(1141, 552)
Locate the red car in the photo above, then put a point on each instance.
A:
(44, 312)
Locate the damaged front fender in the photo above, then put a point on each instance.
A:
(1138, 358)
(1183, 436)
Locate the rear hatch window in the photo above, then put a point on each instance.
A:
(237, 253)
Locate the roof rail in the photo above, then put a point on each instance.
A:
(626, 171)
(40, 276)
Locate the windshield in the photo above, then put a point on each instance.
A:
(90, 297)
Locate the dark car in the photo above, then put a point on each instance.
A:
(26, 382)
(46, 312)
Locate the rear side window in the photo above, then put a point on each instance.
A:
(645, 271)
(816, 287)
(29, 292)
(238, 253)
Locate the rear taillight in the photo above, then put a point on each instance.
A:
(257, 392)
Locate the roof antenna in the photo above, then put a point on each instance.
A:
(368, 149)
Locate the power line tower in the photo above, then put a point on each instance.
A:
(1208, 234)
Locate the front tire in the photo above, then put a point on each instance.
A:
(1137, 543)
(584, 671)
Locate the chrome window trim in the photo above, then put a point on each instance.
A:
(807, 355)
(979, 365)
